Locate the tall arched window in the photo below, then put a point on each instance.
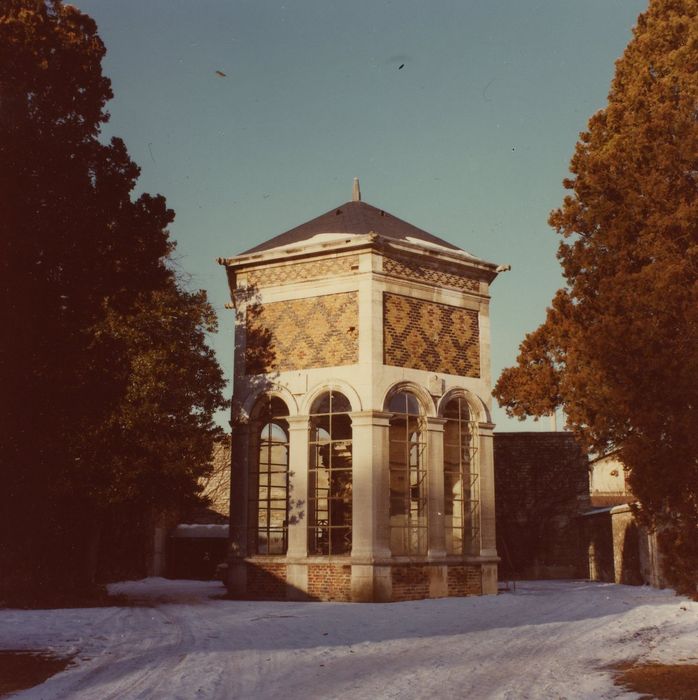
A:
(408, 476)
(330, 476)
(460, 479)
(268, 483)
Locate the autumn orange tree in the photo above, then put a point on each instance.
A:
(107, 385)
(619, 347)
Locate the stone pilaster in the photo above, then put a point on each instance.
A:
(370, 504)
(297, 573)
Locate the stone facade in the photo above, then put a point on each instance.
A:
(362, 357)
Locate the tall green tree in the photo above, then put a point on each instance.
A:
(94, 414)
(619, 346)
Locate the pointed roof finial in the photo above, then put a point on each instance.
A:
(356, 191)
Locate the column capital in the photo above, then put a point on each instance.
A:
(379, 418)
(435, 424)
(486, 428)
(297, 422)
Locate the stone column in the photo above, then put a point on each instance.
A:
(488, 542)
(239, 487)
(435, 474)
(297, 552)
(370, 506)
(438, 575)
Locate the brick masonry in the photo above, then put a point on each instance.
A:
(266, 580)
(332, 581)
(542, 486)
(303, 333)
(300, 272)
(329, 582)
(435, 337)
(464, 580)
(430, 274)
(410, 582)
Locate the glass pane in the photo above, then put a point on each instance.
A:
(451, 458)
(278, 454)
(278, 479)
(277, 542)
(320, 429)
(277, 407)
(451, 410)
(341, 456)
(340, 540)
(397, 403)
(276, 433)
(451, 433)
(277, 518)
(321, 404)
(412, 405)
(340, 403)
(341, 427)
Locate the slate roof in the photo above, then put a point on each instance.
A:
(355, 217)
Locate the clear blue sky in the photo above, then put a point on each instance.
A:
(470, 140)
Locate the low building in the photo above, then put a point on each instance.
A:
(619, 549)
(362, 465)
(542, 487)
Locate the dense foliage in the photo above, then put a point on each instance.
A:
(619, 347)
(108, 386)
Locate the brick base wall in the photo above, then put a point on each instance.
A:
(266, 580)
(329, 582)
(464, 580)
(410, 582)
(332, 582)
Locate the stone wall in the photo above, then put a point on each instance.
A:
(541, 486)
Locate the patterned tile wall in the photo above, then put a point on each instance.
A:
(303, 333)
(434, 337)
(299, 272)
(429, 273)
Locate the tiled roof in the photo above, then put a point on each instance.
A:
(354, 217)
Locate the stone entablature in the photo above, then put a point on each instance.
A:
(302, 271)
(430, 273)
(367, 319)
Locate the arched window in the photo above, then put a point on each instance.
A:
(460, 479)
(268, 483)
(330, 476)
(408, 476)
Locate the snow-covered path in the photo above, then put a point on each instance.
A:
(548, 640)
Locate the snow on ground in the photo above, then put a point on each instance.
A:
(549, 639)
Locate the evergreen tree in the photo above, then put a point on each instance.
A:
(108, 388)
(619, 347)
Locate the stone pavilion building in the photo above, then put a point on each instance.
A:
(362, 440)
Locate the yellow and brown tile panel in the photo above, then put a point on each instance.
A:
(429, 273)
(302, 271)
(435, 337)
(303, 333)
